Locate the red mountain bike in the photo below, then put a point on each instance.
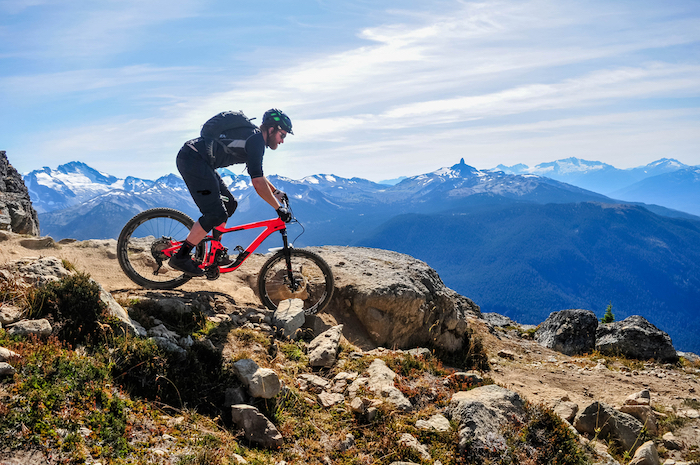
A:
(150, 238)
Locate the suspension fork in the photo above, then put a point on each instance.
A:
(288, 260)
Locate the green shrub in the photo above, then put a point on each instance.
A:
(73, 305)
(55, 392)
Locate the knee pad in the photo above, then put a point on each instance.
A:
(231, 206)
(211, 219)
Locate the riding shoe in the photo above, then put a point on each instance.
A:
(186, 265)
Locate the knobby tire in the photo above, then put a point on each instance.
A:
(310, 271)
(140, 242)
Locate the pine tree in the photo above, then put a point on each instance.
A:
(608, 317)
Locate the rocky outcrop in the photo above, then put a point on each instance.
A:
(603, 421)
(569, 331)
(482, 413)
(401, 302)
(635, 337)
(16, 211)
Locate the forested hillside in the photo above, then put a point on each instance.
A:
(528, 260)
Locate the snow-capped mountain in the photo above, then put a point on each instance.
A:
(594, 175)
(73, 190)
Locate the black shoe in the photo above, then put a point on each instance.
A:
(186, 265)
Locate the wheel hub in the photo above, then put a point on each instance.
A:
(157, 249)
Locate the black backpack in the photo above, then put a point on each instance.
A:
(218, 126)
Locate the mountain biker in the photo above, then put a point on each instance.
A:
(214, 200)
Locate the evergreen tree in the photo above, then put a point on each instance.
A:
(608, 317)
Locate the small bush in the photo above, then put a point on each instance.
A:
(73, 304)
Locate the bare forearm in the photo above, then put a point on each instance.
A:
(265, 190)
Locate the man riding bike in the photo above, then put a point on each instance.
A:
(197, 162)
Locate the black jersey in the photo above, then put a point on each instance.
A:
(244, 145)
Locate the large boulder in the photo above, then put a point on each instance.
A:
(601, 420)
(635, 337)
(16, 212)
(257, 428)
(570, 332)
(482, 413)
(401, 302)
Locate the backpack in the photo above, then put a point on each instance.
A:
(217, 127)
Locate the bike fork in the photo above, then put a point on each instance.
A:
(288, 259)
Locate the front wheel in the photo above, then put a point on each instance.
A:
(141, 244)
(309, 279)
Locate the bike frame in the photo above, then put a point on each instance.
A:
(214, 246)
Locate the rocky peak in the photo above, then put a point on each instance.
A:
(16, 211)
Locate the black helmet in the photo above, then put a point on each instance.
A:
(277, 118)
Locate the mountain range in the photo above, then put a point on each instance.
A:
(521, 244)
(666, 182)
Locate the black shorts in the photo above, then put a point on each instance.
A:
(206, 187)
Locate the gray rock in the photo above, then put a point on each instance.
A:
(39, 270)
(635, 337)
(379, 380)
(162, 331)
(16, 212)
(38, 243)
(496, 319)
(482, 413)
(408, 441)
(603, 421)
(671, 442)
(646, 455)
(289, 316)
(9, 314)
(645, 414)
(40, 327)
(261, 382)
(175, 306)
(117, 311)
(329, 399)
(566, 410)
(323, 349)
(312, 383)
(435, 423)
(642, 397)
(400, 301)
(6, 369)
(168, 345)
(570, 332)
(7, 354)
(256, 427)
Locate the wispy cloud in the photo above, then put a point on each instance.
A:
(421, 88)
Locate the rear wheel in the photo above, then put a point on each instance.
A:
(142, 241)
(311, 280)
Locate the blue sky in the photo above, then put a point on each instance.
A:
(376, 89)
